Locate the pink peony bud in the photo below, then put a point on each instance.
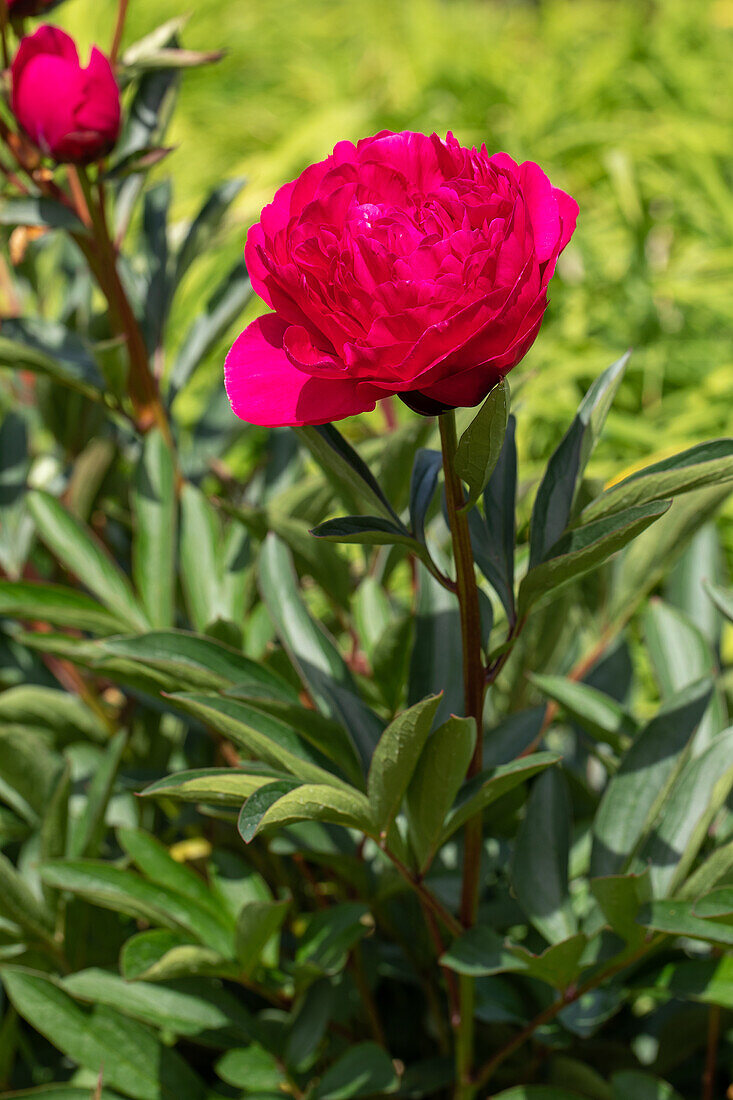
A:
(71, 113)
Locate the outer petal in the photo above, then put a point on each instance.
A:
(46, 40)
(47, 116)
(265, 388)
(100, 109)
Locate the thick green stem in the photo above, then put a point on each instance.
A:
(474, 686)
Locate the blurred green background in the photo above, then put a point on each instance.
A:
(627, 104)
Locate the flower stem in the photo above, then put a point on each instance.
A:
(474, 686)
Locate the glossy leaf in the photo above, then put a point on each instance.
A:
(488, 785)
(423, 482)
(395, 759)
(347, 471)
(437, 778)
(318, 802)
(481, 443)
(595, 712)
(58, 606)
(363, 530)
(220, 786)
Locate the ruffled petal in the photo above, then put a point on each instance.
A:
(265, 388)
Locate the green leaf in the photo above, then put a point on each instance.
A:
(707, 980)
(435, 663)
(327, 737)
(364, 1070)
(163, 956)
(710, 872)
(28, 771)
(722, 599)
(144, 949)
(701, 790)
(309, 1022)
(708, 463)
(154, 544)
(647, 561)
(480, 952)
(559, 965)
(598, 714)
(157, 864)
(364, 530)
(492, 783)
(677, 918)
(536, 1092)
(318, 802)
(312, 651)
(204, 227)
(631, 1085)
(583, 548)
(435, 783)
(322, 562)
(123, 891)
(221, 786)
(259, 802)
(345, 469)
(257, 923)
(330, 935)
(480, 445)
(20, 905)
(268, 739)
(200, 540)
(634, 795)
(555, 498)
(85, 556)
(49, 348)
(32, 211)
(253, 1069)
(58, 606)
(130, 1055)
(50, 712)
(210, 327)
(192, 662)
(540, 862)
(681, 654)
(423, 482)
(718, 903)
(620, 898)
(88, 828)
(395, 759)
(196, 1008)
(493, 536)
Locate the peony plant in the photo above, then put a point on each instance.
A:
(334, 763)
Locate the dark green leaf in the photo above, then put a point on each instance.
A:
(480, 951)
(540, 863)
(253, 1069)
(634, 795)
(493, 536)
(364, 530)
(225, 786)
(257, 923)
(556, 495)
(597, 713)
(583, 548)
(129, 1054)
(677, 918)
(620, 897)
(395, 759)
(365, 1070)
(480, 445)
(425, 471)
(204, 227)
(488, 785)
(31, 210)
(348, 471)
(439, 773)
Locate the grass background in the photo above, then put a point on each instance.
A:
(628, 104)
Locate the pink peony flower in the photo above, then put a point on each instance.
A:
(405, 264)
(70, 113)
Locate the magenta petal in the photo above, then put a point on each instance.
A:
(539, 196)
(265, 388)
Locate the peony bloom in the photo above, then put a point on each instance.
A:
(70, 113)
(405, 264)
